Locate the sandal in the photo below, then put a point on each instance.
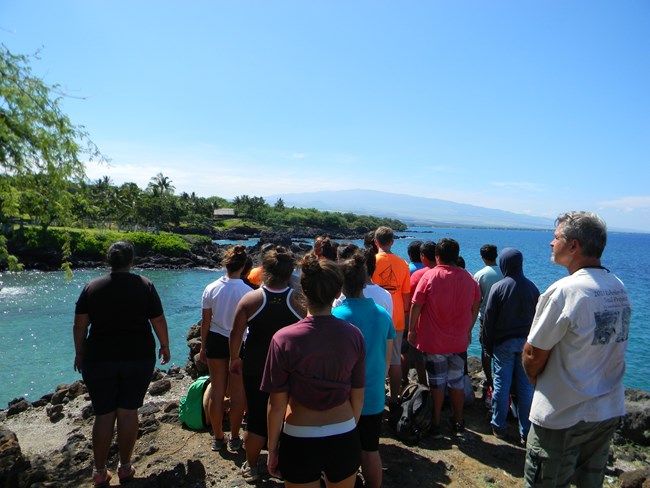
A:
(126, 473)
(102, 479)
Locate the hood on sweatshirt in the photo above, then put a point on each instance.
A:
(511, 262)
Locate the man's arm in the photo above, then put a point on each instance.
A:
(534, 361)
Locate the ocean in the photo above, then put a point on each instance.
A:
(37, 309)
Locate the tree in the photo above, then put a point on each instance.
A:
(279, 204)
(161, 185)
(35, 135)
(40, 148)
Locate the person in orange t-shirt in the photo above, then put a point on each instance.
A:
(392, 274)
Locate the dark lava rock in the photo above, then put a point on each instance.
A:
(159, 387)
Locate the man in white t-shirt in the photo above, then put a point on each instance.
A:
(575, 357)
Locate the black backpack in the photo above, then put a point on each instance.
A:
(415, 419)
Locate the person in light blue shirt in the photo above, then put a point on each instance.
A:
(486, 277)
(376, 325)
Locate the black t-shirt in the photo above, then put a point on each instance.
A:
(120, 306)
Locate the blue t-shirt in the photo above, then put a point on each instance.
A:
(376, 325)
(413, 267)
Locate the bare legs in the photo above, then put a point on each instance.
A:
(127, 434)
(371, 468)
(221, 379)
(395, 381)
(254, 445)
(102, 437)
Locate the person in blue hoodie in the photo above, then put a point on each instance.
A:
(508, 316)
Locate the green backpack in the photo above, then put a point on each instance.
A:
(190, 409)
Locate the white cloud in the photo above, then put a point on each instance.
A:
(628, 204)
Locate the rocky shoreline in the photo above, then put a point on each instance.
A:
(47, 443)
(201, 255)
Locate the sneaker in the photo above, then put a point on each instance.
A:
(102, 479)
(235, 443)
(217, 444)
(435, 432)
(250, 473)
(125, 473)
(458, 428)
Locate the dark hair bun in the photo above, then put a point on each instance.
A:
(310, 264)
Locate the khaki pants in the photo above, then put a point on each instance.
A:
(555, 458)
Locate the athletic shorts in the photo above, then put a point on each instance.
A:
(369, 428)
(217, 346)
(257, 401)
(117, 384)
(445, 369)
(303, 459)
(396, 356)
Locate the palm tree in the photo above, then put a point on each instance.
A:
(161, 185)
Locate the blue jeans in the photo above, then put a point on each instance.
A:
(507, 366)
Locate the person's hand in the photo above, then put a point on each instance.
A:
(235, 366)
(272, 463)
(78, 359)
(164, 354)
(203, 357)
(412, 337)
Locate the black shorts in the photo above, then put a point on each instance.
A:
(257, 401)
(217, 346)
(303, 459)
(117, 384)
(369, 428)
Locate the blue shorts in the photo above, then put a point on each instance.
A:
(445, 369)
(117, 384)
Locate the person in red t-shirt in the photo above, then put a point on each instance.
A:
(444, 309)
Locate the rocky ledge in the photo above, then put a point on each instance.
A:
(47, 443)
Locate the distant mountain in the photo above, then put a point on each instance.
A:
(414, 211)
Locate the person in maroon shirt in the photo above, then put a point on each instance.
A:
(315, 375)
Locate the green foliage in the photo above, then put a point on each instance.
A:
(40, 148)
(13, 264)
(164, 243)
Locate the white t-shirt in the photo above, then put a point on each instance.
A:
(584, 320)
(377, 293)
(222, 296)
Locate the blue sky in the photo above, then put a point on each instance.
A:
(528, 106)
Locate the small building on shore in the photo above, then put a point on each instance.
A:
(220, 213)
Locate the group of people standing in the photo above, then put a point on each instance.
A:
(303, 350)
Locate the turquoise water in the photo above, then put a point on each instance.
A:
(36, 309)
